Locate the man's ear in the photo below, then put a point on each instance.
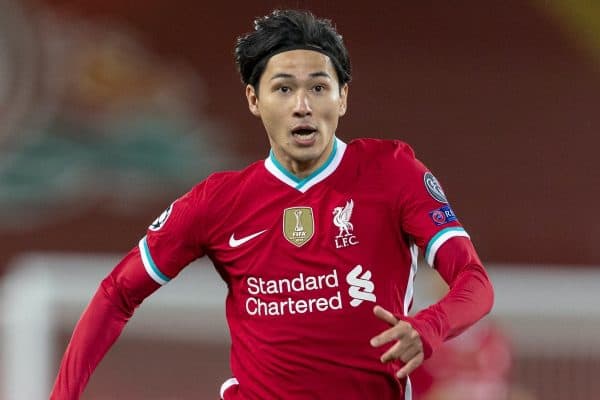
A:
(343, 99)
(252, 97)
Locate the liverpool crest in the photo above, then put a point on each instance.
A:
(298, 225)
(341, 219)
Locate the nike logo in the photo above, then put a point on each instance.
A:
(233, 242)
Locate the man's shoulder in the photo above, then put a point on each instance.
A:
(232, 177)
(388, 164)
(373, 149)
(220, 186)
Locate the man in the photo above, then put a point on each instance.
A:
(317, 244)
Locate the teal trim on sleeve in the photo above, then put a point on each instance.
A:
(437, 236)
(152, 264)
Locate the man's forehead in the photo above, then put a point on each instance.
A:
(299, 63)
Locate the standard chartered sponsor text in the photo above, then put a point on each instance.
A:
(255, 305)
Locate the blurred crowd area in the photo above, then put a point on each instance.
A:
(109, 110)
(89, 114)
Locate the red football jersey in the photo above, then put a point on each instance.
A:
(306, 260)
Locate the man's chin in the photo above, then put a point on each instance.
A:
(306, 155)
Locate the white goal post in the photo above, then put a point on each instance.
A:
(43, 294)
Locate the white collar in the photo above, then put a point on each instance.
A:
(302, 185)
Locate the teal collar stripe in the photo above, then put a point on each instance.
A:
(301, 182)
(151, 263)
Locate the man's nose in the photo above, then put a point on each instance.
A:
(302, 107)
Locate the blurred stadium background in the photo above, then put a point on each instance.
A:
(110, 109)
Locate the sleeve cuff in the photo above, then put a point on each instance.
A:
(430, 341)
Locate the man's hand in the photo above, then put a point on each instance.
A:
(407, 347)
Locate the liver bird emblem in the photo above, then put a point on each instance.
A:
(341, 218)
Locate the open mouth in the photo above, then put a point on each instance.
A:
(304, 133)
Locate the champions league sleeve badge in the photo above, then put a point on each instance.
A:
(442, 215)
(161, 220)
(434, 188)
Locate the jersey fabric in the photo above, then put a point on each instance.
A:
(305, 261)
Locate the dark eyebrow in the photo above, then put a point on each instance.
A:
(312, 75)
(281, 75)
(321, 74)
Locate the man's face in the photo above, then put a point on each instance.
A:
(299, 102)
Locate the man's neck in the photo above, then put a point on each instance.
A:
(301, 169)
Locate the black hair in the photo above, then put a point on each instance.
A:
(283, 30)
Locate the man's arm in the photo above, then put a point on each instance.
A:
(469, 299)
(101, 324)
(172, 241)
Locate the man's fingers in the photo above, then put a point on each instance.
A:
(396, 332)
(403, 350)
(408, 347)
(391, 354)
(410, 366)
(385, 315)
(410, 352)
(389, 334)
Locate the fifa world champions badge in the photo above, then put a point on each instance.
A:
(298, 225)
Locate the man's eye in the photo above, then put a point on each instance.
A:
(319, 88)
(284, 89)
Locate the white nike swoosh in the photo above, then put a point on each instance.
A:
(233, 242)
